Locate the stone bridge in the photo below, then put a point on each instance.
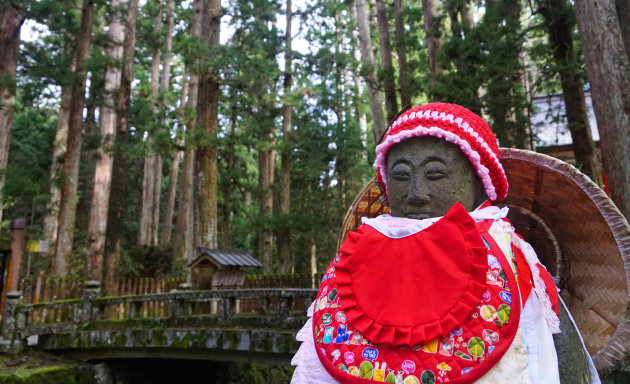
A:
(250, 325)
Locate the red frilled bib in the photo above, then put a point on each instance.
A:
(433, 305)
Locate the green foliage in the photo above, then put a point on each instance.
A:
(487, 56)
(27, 174)
(146, 261)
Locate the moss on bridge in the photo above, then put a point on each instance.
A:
(221, 343)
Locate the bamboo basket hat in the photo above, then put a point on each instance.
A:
(578, 234)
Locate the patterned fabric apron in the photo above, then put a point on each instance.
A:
(440, 305)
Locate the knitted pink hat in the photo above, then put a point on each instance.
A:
(456, 125)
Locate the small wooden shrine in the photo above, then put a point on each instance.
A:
(220, 268)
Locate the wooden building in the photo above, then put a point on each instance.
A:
(221, 268)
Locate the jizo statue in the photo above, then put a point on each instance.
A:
(442, 289)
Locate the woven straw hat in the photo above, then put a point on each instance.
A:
(579, 235)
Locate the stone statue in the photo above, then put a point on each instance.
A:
(442, 289)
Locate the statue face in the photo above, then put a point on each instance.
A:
(427, 175)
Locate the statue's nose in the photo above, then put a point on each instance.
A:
(418, 192)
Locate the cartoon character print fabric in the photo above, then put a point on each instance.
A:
(460, 355)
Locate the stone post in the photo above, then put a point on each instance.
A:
(15, 259)
(285, 306)
(91, 292)
(228, 307)
(9, 320)
(178, 306)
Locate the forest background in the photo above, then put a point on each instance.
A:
(130, 134)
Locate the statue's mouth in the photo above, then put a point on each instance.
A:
(419, 215)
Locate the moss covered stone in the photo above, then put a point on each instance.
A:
(39, 368)
(158, 338)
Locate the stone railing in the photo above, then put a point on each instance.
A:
(283, 308)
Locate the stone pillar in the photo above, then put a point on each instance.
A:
(228, 307)
(91, 292)
(285, 304)
(9, 320)
(178, 306)
(15, 259)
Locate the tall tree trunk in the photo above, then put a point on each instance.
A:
(117, 192)
(51, 220)
(608, 70)
(208, 120)
(156, 161)
(386, 60)
(87, 160)
(226, 241)
(162, 123)
(557, 18)
(107, 125)
(167, 226)
(401, 51)
(148, 193)
(339, 67)
(358, 112)
(70, 167)
(623, 13)
(434, 32)
(166, 59)
(152, 173)
(376, 100)
(284, 235)
(266, 167)
(341, 165)
(185, 225)
(10, 24)
(167, 229)
(461, 10)
(467, 15)
(158, 164)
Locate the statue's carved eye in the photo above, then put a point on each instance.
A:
(435, 171)
(401, 172)
(436, 175)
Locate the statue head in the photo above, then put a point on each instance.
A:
(435, 155)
